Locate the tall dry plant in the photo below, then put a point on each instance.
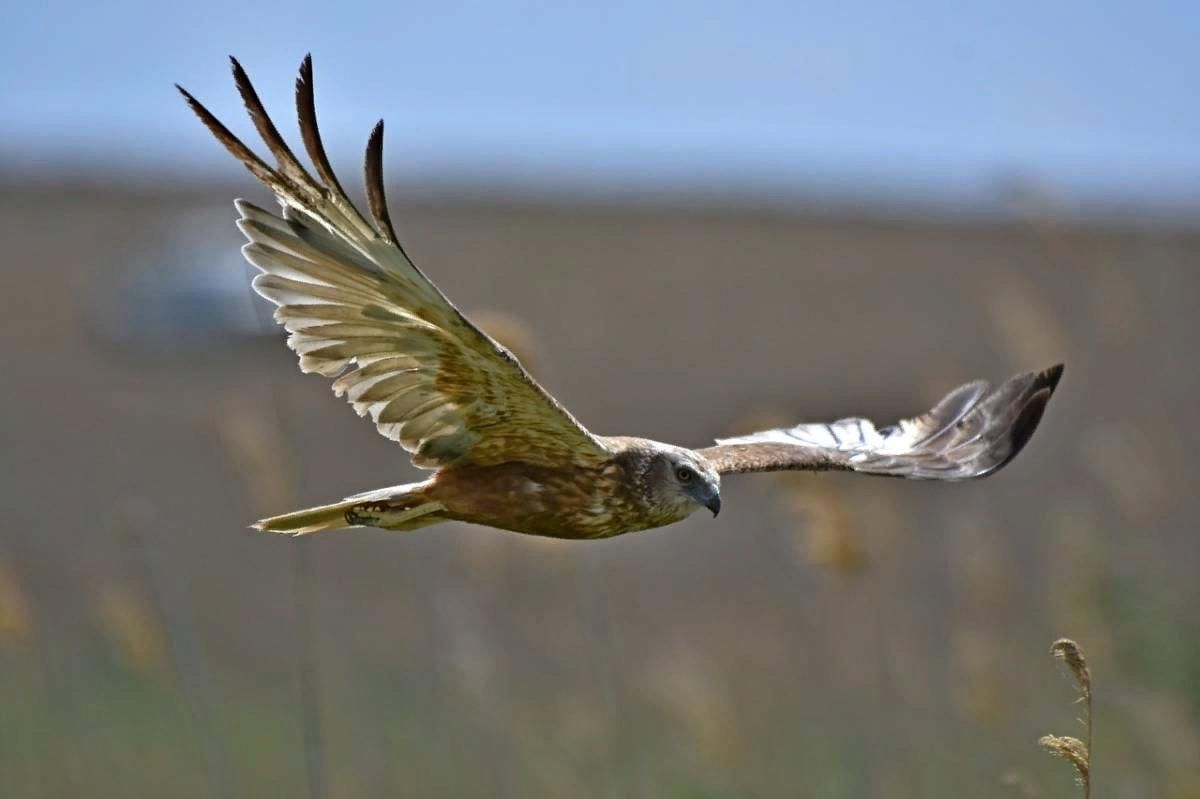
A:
(1071, 749)
(16, 609)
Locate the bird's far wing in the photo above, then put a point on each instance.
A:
(357, 308)
(972, 432)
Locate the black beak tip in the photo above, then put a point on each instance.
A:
(714, 505)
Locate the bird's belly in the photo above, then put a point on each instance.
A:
(557, 503)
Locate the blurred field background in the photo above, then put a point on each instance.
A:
(828, 636)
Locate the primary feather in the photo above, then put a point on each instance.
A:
(358, 309)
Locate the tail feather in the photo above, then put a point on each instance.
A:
(403, 507)
(309, 520)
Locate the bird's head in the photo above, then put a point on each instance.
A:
(679, 482)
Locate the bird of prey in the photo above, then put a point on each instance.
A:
(504, 453)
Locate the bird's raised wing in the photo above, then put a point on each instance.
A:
(357, 308)
(972, 432)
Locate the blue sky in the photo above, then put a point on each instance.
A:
(933, 99)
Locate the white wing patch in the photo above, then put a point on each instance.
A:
(860, 439)
(972, 432)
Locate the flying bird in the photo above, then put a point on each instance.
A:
(503, 452)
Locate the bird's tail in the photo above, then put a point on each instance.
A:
(403, 507)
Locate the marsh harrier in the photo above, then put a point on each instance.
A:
(503, 452)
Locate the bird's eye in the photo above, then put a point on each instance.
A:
(684, 474)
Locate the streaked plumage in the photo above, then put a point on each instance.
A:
(503, 451)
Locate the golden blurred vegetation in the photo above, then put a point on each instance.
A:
(828, 636)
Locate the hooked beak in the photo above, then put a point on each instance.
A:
(714, 505)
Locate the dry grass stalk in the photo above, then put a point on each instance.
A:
(132, 626)
(16, 610)
(1069, 653)
(1073, 750)
(828, 537)
(512, 333)
(1077, 752)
